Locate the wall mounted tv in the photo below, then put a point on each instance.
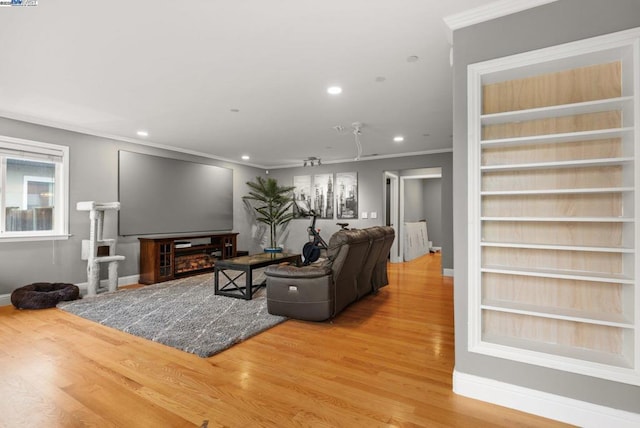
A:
(160, 195)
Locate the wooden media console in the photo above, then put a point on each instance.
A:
(166, 258)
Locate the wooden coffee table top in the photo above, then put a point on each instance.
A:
(257, 260)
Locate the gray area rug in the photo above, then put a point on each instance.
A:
(184, 314)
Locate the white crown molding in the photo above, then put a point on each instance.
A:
(488, 12)
(81, 130)
(371, 158)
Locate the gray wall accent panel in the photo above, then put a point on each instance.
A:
(166, 195)
(552, 24)
(94, 177)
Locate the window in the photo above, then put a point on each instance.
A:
(34, 189)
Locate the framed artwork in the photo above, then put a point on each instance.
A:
(346, 191)
(301, 193)
(322, 195)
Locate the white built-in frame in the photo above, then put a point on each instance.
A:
(553, 207)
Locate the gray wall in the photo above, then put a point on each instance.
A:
(422, 201)
(556, 23)
(432, 188)
(93, 177)
(414, 202)
(371, 183)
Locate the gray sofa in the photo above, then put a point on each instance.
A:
(356, 266)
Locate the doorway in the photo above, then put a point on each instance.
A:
(402, 208)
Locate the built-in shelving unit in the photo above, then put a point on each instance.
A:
(554, 142)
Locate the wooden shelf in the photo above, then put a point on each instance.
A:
(563, 219)
(600, 134)
(577, 354)
(567, 314)
(558, 191)
(558, 247)
(618, 103)
(581, 163)
(560, 274)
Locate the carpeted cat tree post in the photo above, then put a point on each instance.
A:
(92, 247)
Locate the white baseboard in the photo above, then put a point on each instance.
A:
(543, 404)
(447, 272)
(5, 299)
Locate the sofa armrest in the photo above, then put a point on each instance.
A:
(288, 271)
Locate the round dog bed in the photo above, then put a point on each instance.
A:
(41, 295)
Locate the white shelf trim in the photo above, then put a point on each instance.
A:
(560, 274)
(565, 314)
(557, 191)
(580, 360)
(599, 134)
(609, 104)
(582, 163)
(558, 247)
(563, 219)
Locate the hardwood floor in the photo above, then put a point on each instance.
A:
(386, 361)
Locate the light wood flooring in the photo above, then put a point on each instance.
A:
(386, 361)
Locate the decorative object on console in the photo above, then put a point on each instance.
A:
(91, 247)
(272, 202)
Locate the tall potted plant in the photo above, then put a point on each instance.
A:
(272, 202)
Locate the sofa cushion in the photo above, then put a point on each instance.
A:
(289, 271)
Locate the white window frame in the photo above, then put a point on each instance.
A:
(33, 150)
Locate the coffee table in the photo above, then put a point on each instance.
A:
(246, 265)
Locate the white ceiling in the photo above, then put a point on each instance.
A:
(178, 68)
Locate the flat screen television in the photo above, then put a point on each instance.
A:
(161, 195)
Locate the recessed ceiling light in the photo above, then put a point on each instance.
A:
(142, 133)
(398, 139)
(334, 90)
(245, 157)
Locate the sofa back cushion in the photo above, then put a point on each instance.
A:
(347, 252)
(379, 277)
(376, 242)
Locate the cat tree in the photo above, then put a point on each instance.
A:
(93, 249)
